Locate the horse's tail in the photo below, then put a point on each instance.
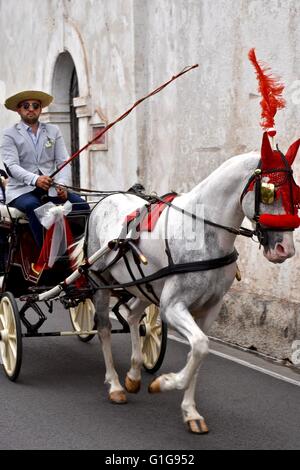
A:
(77, 254)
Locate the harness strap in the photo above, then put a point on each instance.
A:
(134, 278)
(148, 285)
(180, 268)
(167, 246)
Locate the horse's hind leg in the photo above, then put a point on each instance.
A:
(116, 391)
(133, 377)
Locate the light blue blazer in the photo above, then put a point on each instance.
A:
(25, 163)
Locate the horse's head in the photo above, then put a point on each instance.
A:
(271, 199)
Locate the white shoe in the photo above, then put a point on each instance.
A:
(1, 282)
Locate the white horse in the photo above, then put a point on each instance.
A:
(189, 302)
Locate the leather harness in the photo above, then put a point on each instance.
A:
(123, 245)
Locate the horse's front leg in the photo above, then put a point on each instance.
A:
(116, 391)
(195, 422)
(179, 317)
(133, 377)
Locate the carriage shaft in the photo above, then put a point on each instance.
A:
(55, 291)
(69, 333)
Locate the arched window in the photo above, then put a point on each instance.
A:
(63, 112)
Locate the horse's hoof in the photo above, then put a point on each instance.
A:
(132, 386)
(154, 386)
(118, 397)
(197, 426)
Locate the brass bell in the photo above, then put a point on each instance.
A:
(267, 193)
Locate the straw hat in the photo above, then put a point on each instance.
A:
(13, 101)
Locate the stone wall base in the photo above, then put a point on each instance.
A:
(265, 324)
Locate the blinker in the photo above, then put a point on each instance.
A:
(267, 193)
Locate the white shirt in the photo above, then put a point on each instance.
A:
(34, 137)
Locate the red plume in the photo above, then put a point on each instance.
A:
(271, 90)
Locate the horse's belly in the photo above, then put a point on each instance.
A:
(210, 295)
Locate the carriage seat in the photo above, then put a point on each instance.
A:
(7, 214)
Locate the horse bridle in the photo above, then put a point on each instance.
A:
(265, 193)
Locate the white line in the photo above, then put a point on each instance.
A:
(243, 363)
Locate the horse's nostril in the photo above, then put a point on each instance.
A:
(284, 251)
(280, 249)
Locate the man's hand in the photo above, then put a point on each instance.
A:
(61, 193)
(44, 182)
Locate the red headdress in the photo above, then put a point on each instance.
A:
(273, 163)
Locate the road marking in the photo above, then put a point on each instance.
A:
(243, 363)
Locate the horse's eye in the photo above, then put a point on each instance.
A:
(267, 193)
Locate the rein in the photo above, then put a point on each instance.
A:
(260, 231)
(236, 231)
(153, 197)
(124, 245)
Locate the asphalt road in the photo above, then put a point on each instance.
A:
(60, 402)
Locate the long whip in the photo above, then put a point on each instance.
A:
(109, 126)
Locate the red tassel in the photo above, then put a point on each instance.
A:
(271, 90)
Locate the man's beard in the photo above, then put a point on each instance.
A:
(30, 120)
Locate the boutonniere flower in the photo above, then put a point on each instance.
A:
(49, 143)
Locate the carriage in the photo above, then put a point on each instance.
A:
(22, 314)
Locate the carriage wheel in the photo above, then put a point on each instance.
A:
(154, 342)
(83, 319)
(10, 336)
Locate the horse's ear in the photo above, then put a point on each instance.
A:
(292, 152)
(266, 151)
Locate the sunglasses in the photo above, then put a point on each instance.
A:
(34, 106)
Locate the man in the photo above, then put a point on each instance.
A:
(31, 152)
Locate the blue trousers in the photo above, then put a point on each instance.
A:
(28, 202)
